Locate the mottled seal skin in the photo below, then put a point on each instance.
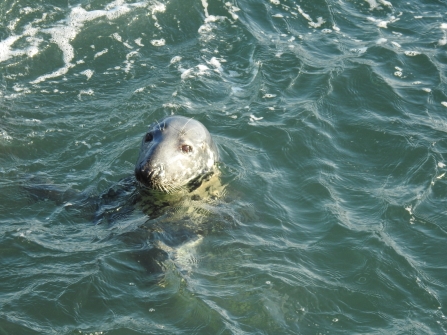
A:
(176, 152)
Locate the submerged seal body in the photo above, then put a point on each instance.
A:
(175, 152)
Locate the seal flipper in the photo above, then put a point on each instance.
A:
(60, 194)
(40, 187)
(84, 204)
(118, 201)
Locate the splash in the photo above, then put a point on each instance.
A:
(66, 31)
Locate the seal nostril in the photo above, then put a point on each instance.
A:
(149, 137)
(149, 172)
(138, 174)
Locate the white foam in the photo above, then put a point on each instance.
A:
(202, 68)
(386, 3)
(317, 24)
(214, 18)
(67, 30)
(359, 51)
(98, 54)
(33, 120)
(269, 96)
(412, 53)
(254, 118)
(382, 24)
(114, 4)
(158, 8)
(84, 143)
(172, 105)
(372, 4)
(117, 37)
(216, 63)
(192, 72)
(12, 25)
(129, 62)
(306, 16)
(138, 42)
(205, 7)
(6, 46)
(175, 59)
(85, 92)
(158, 43)
(206, 29)
(232, 10)
(409, 209)
(87, 73)
(186, 73)
(4, 135)
(131, 54)
(313, 24)
(62, 36)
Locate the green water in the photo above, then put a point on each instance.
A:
(331, 122)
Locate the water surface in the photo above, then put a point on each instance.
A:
(331, 122)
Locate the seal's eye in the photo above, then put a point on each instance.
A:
(186, 148)
(148, 137)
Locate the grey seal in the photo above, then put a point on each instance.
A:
(175, 152)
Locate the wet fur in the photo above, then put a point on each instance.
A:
(175, 153)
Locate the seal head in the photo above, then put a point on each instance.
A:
(175, 152)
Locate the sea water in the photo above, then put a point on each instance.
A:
(331, 122)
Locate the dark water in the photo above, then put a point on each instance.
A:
(331, 122)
